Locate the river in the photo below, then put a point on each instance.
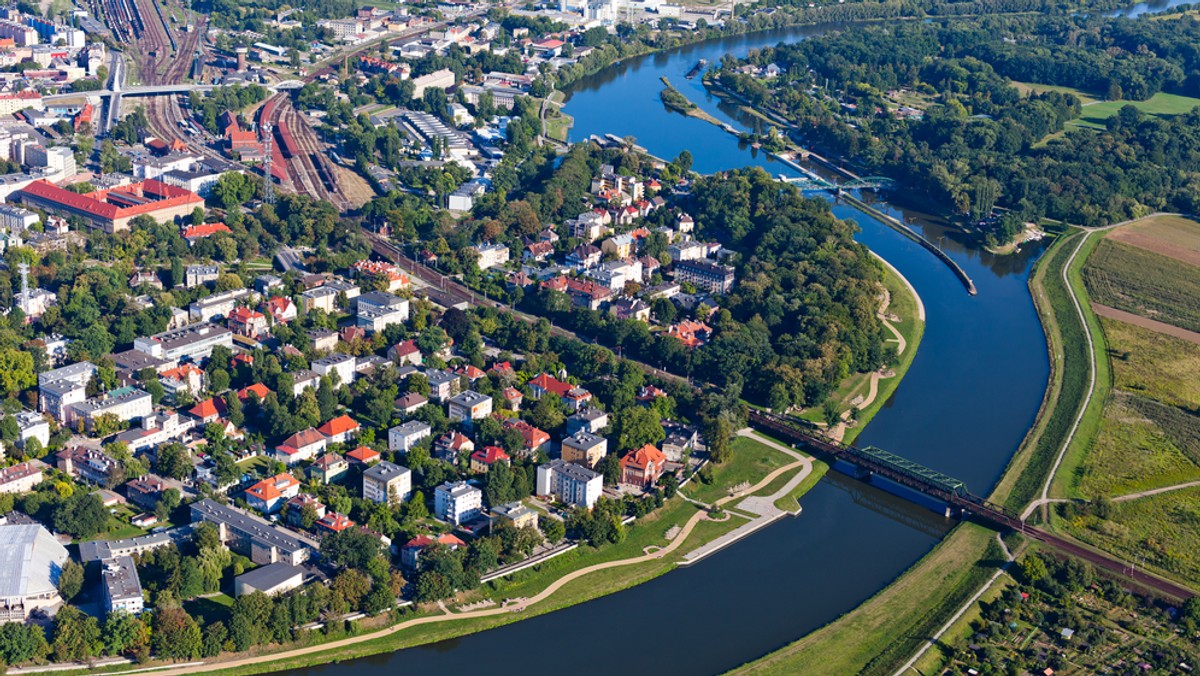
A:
(967, 401)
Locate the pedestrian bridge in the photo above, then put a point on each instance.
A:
(150, 90)
(813, 182)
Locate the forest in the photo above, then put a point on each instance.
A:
(971, 140)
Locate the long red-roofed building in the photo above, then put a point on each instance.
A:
(111, 210)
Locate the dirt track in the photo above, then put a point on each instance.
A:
(1150, 324)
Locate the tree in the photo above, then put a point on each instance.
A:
(125, 634)
(350, 548)
(554, 530)
(547, 413)
(637, 426)
(76, 636)
(70, 580)
(1033, 568)
(16, 371)
(82, 515)
(173, 461)
(610, 467)
(176, 635)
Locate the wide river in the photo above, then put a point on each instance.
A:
(963, 408)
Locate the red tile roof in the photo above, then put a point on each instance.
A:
(257, 388)
(95, 203)
(490, 455)
(273, 488)
(363, 454)
(334, 522)
(447, 539)
(208, 408)
(533, 436)
(339, 425)
(644, 456)
(204, 230)
(299, 440)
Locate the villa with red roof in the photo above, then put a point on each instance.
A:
(193, 233)
(257, 389)
(333, 522)
(573, 396)
(111, 210)
(208, 410)
(268, 495)
(282, 310)
(691, 334)
(246, 322)
(301, 446)
(535, 439)
(340, 429)
(363, 456)
(410, 553)
(643, 467)
(406, 353)
(483, 459)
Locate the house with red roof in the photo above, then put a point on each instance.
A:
(573, 396)
(363, 456)
(195, 233)
(340, 429)
(503, 369)
(643, 467)
(534, 439)
(185, 378)
(410, 553)
(257, 390)
(449, 447)
(333, 522)
(512, 398)
(301, 446)
(692, 334)
(208, 410)
(282, 310)
(405, 353)
(246, 322)
(268, 495)
(296, 506)
(328, 468)
(483, 459)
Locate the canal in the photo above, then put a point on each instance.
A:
(967, 401)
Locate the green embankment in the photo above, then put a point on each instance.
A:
(883, 632)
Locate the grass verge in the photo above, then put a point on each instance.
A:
(883, 632)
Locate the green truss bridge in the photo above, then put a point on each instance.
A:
(814, 182)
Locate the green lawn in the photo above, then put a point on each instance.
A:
(751, 462)
(1161, 105)
(1027, 88)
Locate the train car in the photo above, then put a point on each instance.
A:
(286, 142)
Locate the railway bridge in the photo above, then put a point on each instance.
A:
(959, 501)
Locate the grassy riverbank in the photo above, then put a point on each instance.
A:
(884, 631)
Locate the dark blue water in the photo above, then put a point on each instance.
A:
(971, 394)
(1148, 8)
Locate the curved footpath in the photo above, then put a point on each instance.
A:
(518, 605)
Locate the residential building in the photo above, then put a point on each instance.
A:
(32, 425)
(363, 456)
(341, 364)
(643, 467)
(246, 322)
(122, 586)
(573, 484)
(440, 79)
(126, 404)
(187, 378)
(282, 310)
(411, 403)
(30, 563)
(490, 255)
(339, 430)
(22, 477)
(333, 522)
(573, 396)
(99, 550)
(705, 275)
(377, 310)
(387, 483)
(196, 275)
(328, 468)
(449, 447)
(252, 536)
(301, 446)
(533, 438)
(321, 298)
(156, 429)
(584, 448)
(61, 388)
(219, 305)
(404, 353)
(469, 405)
(483, 459)
(457, 502)
(272, 579)
(403, 437)
(516, 514)
(268, 495)
(691, 333)
(442, 384)
(410, 553)
(145, 491)
(303, 379)
(323, 341)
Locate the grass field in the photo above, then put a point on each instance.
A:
(751, 462)
(1133, 452)
(1152, 364)
(1144, 283)
(1173, 236)
(878, 636)
(1027, 88)
(1159, 105)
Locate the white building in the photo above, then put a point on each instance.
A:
(126, 403)
(468, 405)
(440, 79)
(387, 483)
(403, 437)
(122, 586)
(570, 483)
(491, 255)
(30, 563)
(21, 478)
(32, 426)
(341, 364)
(457, 502)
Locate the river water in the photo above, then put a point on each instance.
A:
(967, 401)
